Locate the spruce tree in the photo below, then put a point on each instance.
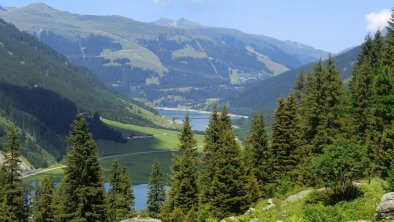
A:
(183, 193)
(82, 185)
(286, 138)
(211, 142)
(383, 110)
(229, 193)
(257, 153)
(323, 105)
(43, 203)
(389, 46)
(120, 196)
(390, 180)
(12, 205)
(310, 106)
(156, 192)
(333, 106)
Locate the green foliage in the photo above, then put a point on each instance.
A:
(211, 146)
(12, 205)
(228, 190)
(257, 154)
(183, 194)
(390, 181)
(43, 202)
(323, 105)
(82, 187)
(339, 165)
(191, 216)
(319, 213)
(204, 212)
(120, 197)
(156, 192)
(285, 139)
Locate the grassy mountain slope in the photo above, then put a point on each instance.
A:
(303, 209)
(264, 95)
(41, 92)
(155, 61)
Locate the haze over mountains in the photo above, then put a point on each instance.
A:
(167, 63)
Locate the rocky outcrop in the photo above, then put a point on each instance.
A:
(24, 167)
(385, 209)
(270, 205)
(136, 219)
(296, 197)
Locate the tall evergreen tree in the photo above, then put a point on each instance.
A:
(229, 193)
(156, 192)
(323, 105)
(389, 46)
(286, 139)
(183, 193)
(383, 110)
(82, 187)
(211, 144)
(43, 203)
(120, 196)
(310, 106)
(257, 153)
(333, 105)
(12, 205)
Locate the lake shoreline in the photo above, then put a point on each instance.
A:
(196, 111)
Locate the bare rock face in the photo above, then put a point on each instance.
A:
(135, 219)
(385, 209)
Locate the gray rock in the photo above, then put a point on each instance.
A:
(298, 196)
(283, 214)
(136, 219)
(228, 219)
(385, 209)
(254, 220)
(251, 210)
(270, 204)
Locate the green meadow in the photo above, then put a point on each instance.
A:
(137, 154)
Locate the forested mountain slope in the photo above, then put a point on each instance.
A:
(166, 62)
(41, 92)
(264, 95)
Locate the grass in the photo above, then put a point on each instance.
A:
(362, 208)
(137, 155)
(189, 52)
(234, 78)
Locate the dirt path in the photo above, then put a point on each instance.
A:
(101, 158)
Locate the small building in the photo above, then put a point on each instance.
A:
(139, 136)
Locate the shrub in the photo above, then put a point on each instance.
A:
(339, 165)
(320, 213)
(390, 181)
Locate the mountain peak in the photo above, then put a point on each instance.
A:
(180, 23)
(39, 6)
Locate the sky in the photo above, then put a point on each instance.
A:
(332, 25)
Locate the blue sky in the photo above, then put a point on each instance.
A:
(331, 25)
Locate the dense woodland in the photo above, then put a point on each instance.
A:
(324, 134)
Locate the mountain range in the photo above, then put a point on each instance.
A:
(41, 92)
(166, 62)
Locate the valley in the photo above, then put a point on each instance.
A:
(165, 65)
(108, 118)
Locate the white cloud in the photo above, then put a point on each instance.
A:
(377, 20)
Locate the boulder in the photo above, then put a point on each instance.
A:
(254, 220)
(270, 205)
(296, 197)
(385, 209)
(136, 219)
(250, 211)
(228, 219)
